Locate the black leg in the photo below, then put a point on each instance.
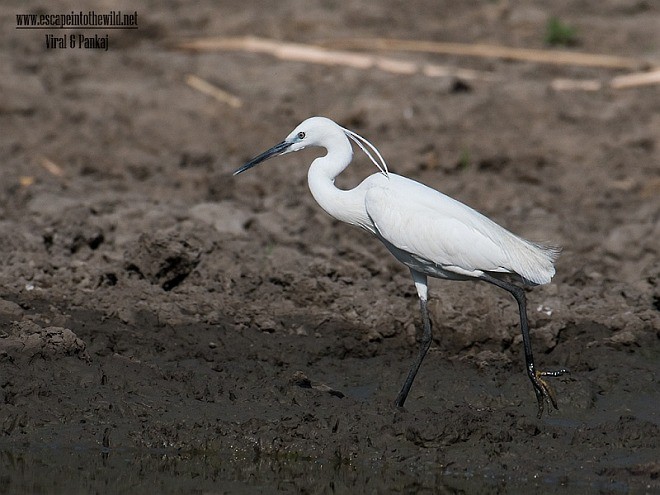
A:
(541, 388)
(424, 345)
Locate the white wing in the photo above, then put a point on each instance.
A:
(436, 230)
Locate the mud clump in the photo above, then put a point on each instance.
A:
(26, 341)
(163, 260)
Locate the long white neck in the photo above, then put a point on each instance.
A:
(346, 206)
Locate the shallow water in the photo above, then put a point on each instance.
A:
(59, 470)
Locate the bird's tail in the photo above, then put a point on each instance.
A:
(536, 263)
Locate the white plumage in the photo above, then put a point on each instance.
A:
(448, 237)
(431, 233)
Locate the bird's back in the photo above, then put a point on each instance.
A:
(430, 230)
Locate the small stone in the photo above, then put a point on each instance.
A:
(224, 216)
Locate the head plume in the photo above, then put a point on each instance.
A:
(361, 142)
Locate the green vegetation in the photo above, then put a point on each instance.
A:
(464, 159)
(558, 33)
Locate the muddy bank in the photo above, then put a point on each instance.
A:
(167, 326)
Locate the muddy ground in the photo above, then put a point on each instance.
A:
(167, 327)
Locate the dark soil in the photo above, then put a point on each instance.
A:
(167, 327)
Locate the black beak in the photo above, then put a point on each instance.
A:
(278, 149)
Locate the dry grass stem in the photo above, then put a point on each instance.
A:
(51, 167)
(211, 90)
(636, 79)
(556, 57)
(319, 55)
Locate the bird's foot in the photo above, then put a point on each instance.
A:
(542, 389)
(400, 399)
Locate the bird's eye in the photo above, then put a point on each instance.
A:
(301, 135)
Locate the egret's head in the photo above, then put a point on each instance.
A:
(315, 131)
(312, 132)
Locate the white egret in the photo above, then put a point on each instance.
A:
(431, 233)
